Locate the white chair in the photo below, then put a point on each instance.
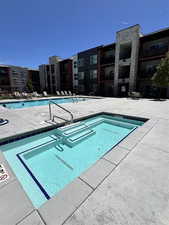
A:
(58, 93)
(69, 92)
(66, 93)
(62, 93)
(35, 94)
(45, 94)
(17, 94)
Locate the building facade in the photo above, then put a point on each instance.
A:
(75, 73)
(124, 66)
(15, 78)
(88, 71)
(106, 71)
(5, 84)
(50, 75)
(34, 78)
(153, 47)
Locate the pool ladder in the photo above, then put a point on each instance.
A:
(52, 117)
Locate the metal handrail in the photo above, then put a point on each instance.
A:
(50, 110)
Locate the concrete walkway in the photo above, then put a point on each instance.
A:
(128, 186)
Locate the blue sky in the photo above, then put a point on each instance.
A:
(33, 30)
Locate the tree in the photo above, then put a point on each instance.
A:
(29, 85)
(161, 77)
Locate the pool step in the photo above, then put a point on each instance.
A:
(73, 130)
(61, 130)
(77, 138)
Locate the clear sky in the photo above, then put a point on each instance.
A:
(33, 30)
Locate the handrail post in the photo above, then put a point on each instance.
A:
(50, 111)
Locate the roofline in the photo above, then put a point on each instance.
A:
(114, 43)
(8, 66)
(90, 49)
(155, 32)
(128, 28)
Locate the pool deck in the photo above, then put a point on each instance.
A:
(128, 186)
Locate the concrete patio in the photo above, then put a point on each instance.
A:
(128, 186)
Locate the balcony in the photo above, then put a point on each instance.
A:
(109, 76)
(147, 73)
(150, 52)
(125, 62)
(107, 60)
(124, 72)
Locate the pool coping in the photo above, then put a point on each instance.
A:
(32, 132)
(6, 101)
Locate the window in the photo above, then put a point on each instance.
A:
(109, 72)
(81, 62)
(81, 75)
(93, 74)
(109, 53)
(52, 68)
(75, 64)
(93, 59)
(75, 76)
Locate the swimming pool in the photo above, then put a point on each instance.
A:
(45, 163)
(31, 103)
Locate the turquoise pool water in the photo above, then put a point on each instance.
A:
(47, 162)
(31, 103)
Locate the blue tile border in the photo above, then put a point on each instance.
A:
(33, 177)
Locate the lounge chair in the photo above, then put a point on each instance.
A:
(45, 94)
(17, 94)
(35, 94)
(134, 94)
(62, 93)
(66, 93)
(58, 93)
(70, 93)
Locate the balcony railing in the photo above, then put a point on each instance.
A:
(107, 60)
(124, 75)
(147, 73)
(154, 52)
(104, 76)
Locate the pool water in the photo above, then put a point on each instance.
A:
(31, 103)
(47, 162)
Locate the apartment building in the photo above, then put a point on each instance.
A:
(57, 75)
(15, 78)
(50, 75)
(88, 71)
(5, 83)
(153, 47)
(124, 66)
(66, 75)
(126, 60)
(33, 76)
(75, 73)
(107, 68)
